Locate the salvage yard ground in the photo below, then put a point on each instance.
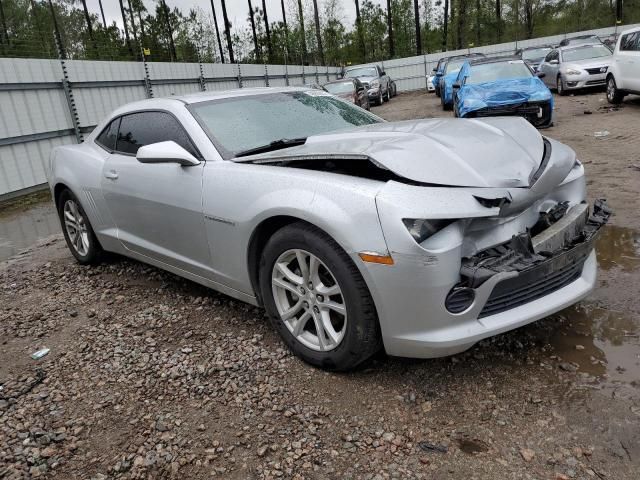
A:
(153, 376)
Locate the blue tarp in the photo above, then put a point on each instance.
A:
(503, 92)
(446, 89)
(436, 78)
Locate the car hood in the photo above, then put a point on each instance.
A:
(492, 152)
(367, 79)
(499, 93)
(588, 63)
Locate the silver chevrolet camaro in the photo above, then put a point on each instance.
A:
(420, 237)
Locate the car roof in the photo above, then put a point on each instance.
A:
(361, 66)
(580, 45)
(191, 98)
(536, 47)
(484, 60)
(341, 80)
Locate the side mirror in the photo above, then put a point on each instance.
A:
(554, 62)
(383, 74)
(456, 86)
(541, 74)
(434, 70)
(166, 152)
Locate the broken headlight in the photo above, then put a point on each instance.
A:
(421, 229)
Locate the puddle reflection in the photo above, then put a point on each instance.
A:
(618, 247)
(600, 341)
(24, 229)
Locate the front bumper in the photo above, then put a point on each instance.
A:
(374, 93)
(585, 80)
(516, 288)
(539, 114)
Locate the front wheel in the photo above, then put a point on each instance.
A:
(614, 95)
(560, 87)
(77, 230)
(317, 299)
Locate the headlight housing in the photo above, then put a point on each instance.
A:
(573, 71)
(375, 83)
(421, 229)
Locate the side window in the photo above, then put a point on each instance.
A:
(109, 135)
(144, 128)
(630, 41)
(624, 42)
(549, 57)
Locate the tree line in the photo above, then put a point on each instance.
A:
(310, 32)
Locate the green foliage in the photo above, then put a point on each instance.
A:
(27, 29)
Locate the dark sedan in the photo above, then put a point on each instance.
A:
(351, 90)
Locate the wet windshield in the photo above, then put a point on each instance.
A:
(454, 65)
(536, 54)
(491, 72)
(243, 123)
(583, 53)
(342, 87)
(362, 72)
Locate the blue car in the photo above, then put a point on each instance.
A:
(502, 86)
(449, 75)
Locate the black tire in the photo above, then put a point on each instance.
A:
(614, 95)
(445, 106)
(437, 92)
(362, 337)
(387, 97)
(94, 252)
(560, 86)
(380, 99)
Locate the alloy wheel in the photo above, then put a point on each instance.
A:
(611, 89)
(309, 300)
(559, 86)
(76, 226)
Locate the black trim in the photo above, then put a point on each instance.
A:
(199, 155)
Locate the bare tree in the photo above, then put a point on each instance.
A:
(104, 21)
(215, 21)
(126, 28)
(318, 32)
(286, 29)
(302, 34)
(498, 21)
(227, 31)
(87, 19)
(392, 50)
(133, 24)
(266, 30)
(256, 47)
(3, 23)
(445, 25)
(461, 25)
(416, 9)
(360, 32)
(167, 19)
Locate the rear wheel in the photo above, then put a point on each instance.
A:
(317, 299)
(77, 230)
(387, 97)
(614, 95)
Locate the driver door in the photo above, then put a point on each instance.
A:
(157, 208)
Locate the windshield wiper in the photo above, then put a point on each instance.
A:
(275, 145)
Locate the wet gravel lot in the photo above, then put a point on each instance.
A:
(152, 376)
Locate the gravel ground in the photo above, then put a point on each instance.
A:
(152, 376)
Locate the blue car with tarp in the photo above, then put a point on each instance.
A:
(449, 74)
(502, 86)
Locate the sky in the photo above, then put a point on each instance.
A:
(237, 10)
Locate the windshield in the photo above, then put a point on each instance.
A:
(242, 123)
(490, 72)
(362, 72)
(454, 65)
(583, 53)
(536, 53)
(342, 87)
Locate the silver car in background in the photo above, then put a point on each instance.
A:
(576, 66)
(375, 80)
(355, 234)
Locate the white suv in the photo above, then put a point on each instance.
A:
(624, 74)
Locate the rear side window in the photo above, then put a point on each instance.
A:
(144, 128)
(630, 41)
(109, 135)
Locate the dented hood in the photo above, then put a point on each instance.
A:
(492, 152)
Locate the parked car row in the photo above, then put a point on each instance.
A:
(363, 86)
(474, 85)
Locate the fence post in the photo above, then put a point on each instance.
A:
(426, 75)
(203, 86)
(286, 73)
(304, 80)
(317, 78)
(147, 78)
(68, 93)
(239, 76)
(266, 75)
(327, 73)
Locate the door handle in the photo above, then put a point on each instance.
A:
(111, 175)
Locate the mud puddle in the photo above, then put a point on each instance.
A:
(21, 230)
(599, 341)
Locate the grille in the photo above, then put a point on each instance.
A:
(530, 286)
(596, 70)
